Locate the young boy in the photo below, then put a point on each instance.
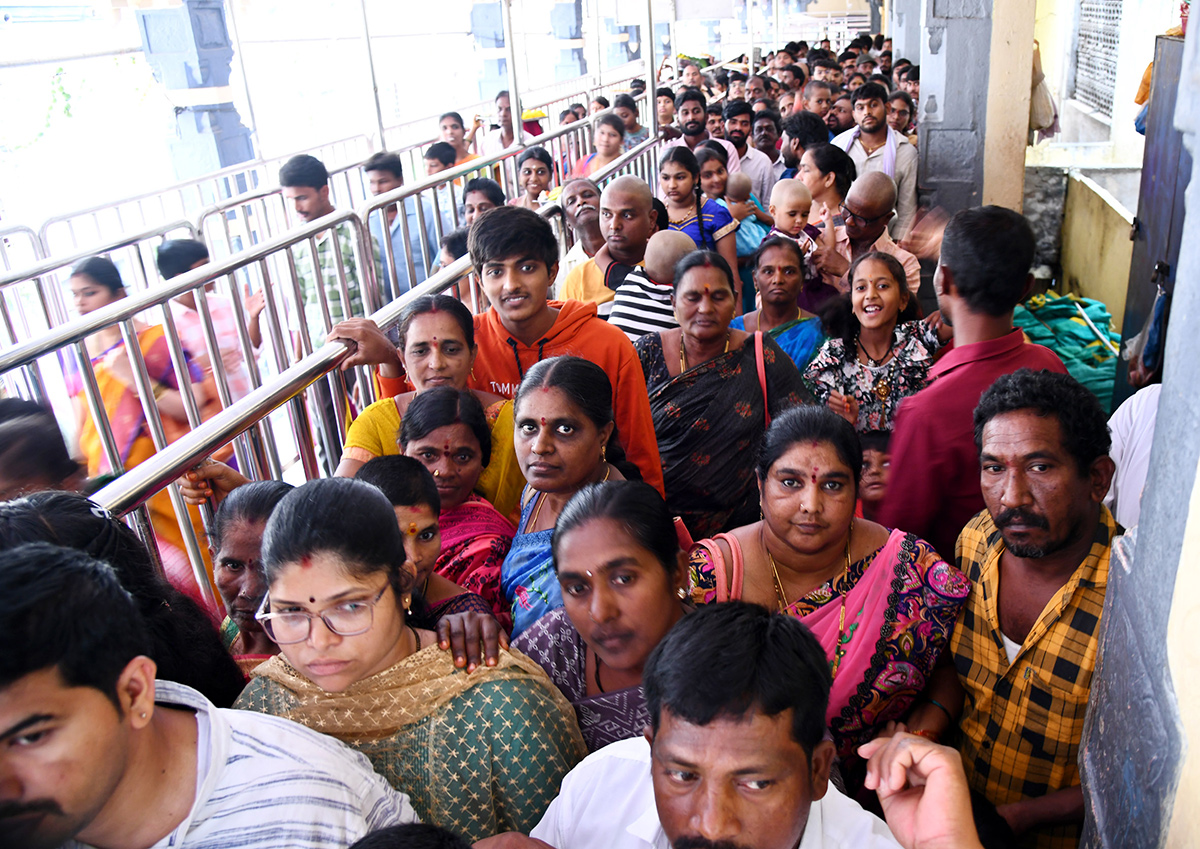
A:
(752, 229)
(876, 462)
(516, 256)
(791, 204)
(642, 303)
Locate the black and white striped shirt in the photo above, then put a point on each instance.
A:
(641, 306)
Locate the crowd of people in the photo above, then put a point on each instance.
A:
(701, 535)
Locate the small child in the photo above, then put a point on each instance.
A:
(642, 303)
(790, 206)
(876, 462)
(412, 836)
(752, 229)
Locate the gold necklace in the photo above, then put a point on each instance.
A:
(839, 648)
(683, 354)
(542, 497)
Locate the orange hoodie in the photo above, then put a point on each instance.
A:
(503, 361)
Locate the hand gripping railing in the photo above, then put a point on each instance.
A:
(138, 485)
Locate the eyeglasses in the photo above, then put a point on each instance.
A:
(849, 215)
(348, 619)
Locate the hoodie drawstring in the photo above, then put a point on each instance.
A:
(512, 343)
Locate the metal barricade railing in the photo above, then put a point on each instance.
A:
(290, 389)
(105, 222)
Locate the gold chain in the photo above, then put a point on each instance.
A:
(683, 355)
(541, 496)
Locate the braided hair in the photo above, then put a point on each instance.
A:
(685, 158)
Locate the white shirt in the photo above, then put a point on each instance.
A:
(265, 783)
(607, 802)
(575, 256)
(1132, 430)
(758, 167)
(735, 161)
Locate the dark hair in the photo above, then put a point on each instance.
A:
(810, 423)
(102, 271)
(60, 609)
(443, 406)
(880, 79)
(849, 95)
(1082, 421)
(875, 440)
(845, 95)
(443, 152)
(180, 637)
(766, 115)
(303, 171)
(727, 659)
(737, 77)
(990, 250)
(737, 108)
(563, 114)
(512, 232)
(413, 835)
(905, 96)
(702, 259)
(587, 386)
(602, 100)
(664, 92)
(869, 91)
(721, 78)
(831, 158)
(403, 480)
(502, 93)
(770, 104)
(838, 320)
(691, 95)
(778, 242)
(684, 157)
(540, 154)
(32, 448)
(914, 74)
(175, 256)
(636, 85)
(612, 122)
(710, 150)
(828, 64)
(714, 109)
(846, 54)
(426, 304)
(489, 188)
(806, 128)
(878, 41)
(456, 242)
(624, 101)
(384, 161)
(252, 503)
(19, 408)
(635, 505)
(575, 106)
(796, 71)
(662, 218)
(340, 516)
(453, 115)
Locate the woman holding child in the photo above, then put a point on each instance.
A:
(713, 390)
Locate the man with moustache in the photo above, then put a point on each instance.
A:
(1037, 556)
(874, 146)
(692, 108)
(840, 116)
(739, 119)
(581, 209)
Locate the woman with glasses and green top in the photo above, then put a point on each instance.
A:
(478, 754)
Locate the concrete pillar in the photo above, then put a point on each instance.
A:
(190, 51)
(906, 29)
(962, 164)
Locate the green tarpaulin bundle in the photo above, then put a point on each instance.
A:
(1057, 322)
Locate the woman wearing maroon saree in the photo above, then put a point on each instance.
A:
(882, 602)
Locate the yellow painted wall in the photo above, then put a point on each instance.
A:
(1009, 77)
(1183, 658)
(1096, 250)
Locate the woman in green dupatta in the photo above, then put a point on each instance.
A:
(778, 276)
(478, 754)
(713, 390)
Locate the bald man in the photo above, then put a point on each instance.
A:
(868, 209)
(642, 303)
(627, 219)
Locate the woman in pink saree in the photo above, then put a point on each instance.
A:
(881, 602)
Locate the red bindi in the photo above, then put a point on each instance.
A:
(543, 421)
(312, 600)
(306, 562)
(446, 447)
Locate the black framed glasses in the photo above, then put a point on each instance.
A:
(849, 214)
(346, 619)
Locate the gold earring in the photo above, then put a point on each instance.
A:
(603, 453)
(407, 602)
(683, 593)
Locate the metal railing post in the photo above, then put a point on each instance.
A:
(514, 95)
(648, 45)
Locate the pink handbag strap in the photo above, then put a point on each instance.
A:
(727, 589)
(762, 375)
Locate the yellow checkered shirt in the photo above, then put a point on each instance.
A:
(1021, 723)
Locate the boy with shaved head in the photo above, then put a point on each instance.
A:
(643, 302)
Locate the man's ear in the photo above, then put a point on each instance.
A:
(1101, 474)
(135, 691)
(822, 762)
(1028, 288)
